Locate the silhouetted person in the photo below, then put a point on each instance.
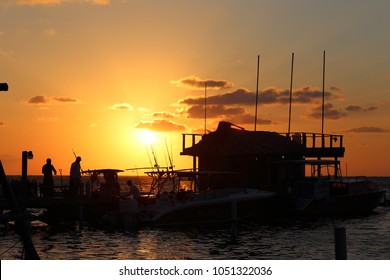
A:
(75, 177)
(47, 171)
(134, 191)
(110, 188)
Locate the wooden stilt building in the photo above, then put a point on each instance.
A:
(232, 156)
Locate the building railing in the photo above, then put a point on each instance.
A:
(316, 144)
(194, 137)
(316, 140)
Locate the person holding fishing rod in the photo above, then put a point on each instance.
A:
(48, 182)
(75, 177)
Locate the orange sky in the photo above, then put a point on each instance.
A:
(89, 75)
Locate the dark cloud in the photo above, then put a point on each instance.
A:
(330, 112)
(307, 95)
(197, 83)
(65, 99)
(2, 123)
(38, 99)
(369, 129)
(235, 115)
(45, 100)
(353, 108)
(231, 105)
(238, 97)
(358, 108)
(304, 95)
(334, 113)
(121, 106)
(163, 115)
(212, 111)
(249, 119)
(161, 126)
(333, 88)
(271, 95)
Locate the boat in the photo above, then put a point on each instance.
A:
(173, 198)
(278, 163)
(176, 198)
(322, 190)
(96, 198)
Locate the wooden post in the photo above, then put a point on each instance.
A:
(193, 157)
(314, 140)
(233, 217)
(233, 211)
(81, 215)
(184, 142)
(340, 242)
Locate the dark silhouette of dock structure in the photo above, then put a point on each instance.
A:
(255, 154)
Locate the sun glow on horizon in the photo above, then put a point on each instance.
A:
(147, 137)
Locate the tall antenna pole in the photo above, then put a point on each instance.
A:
(291, 84)
(205, 104)
(323, 93)
(257, 88)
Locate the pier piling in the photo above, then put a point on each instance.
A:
(340, 241)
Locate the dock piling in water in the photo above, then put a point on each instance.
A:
(340, 242)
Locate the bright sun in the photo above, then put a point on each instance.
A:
(147, 137)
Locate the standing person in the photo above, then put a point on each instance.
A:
(48, 182)
(75, 177)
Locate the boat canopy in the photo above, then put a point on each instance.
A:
(101, 171)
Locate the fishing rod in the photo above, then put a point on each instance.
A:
(154, 157)
(166, 160)
(169, 156)
(150, 160)
(75, 155)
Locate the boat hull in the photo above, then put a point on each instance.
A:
(343, 205)
(234, 208)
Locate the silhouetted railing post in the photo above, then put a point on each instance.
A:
(314, 140)
(26, 155)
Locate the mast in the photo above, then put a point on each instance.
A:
(291, 84)
(205, 104)
(257, 88)
(323, 93)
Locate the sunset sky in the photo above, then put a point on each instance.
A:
(88, 76)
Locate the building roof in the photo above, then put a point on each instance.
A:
(228, 141)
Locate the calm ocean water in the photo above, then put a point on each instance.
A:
(281, 239)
